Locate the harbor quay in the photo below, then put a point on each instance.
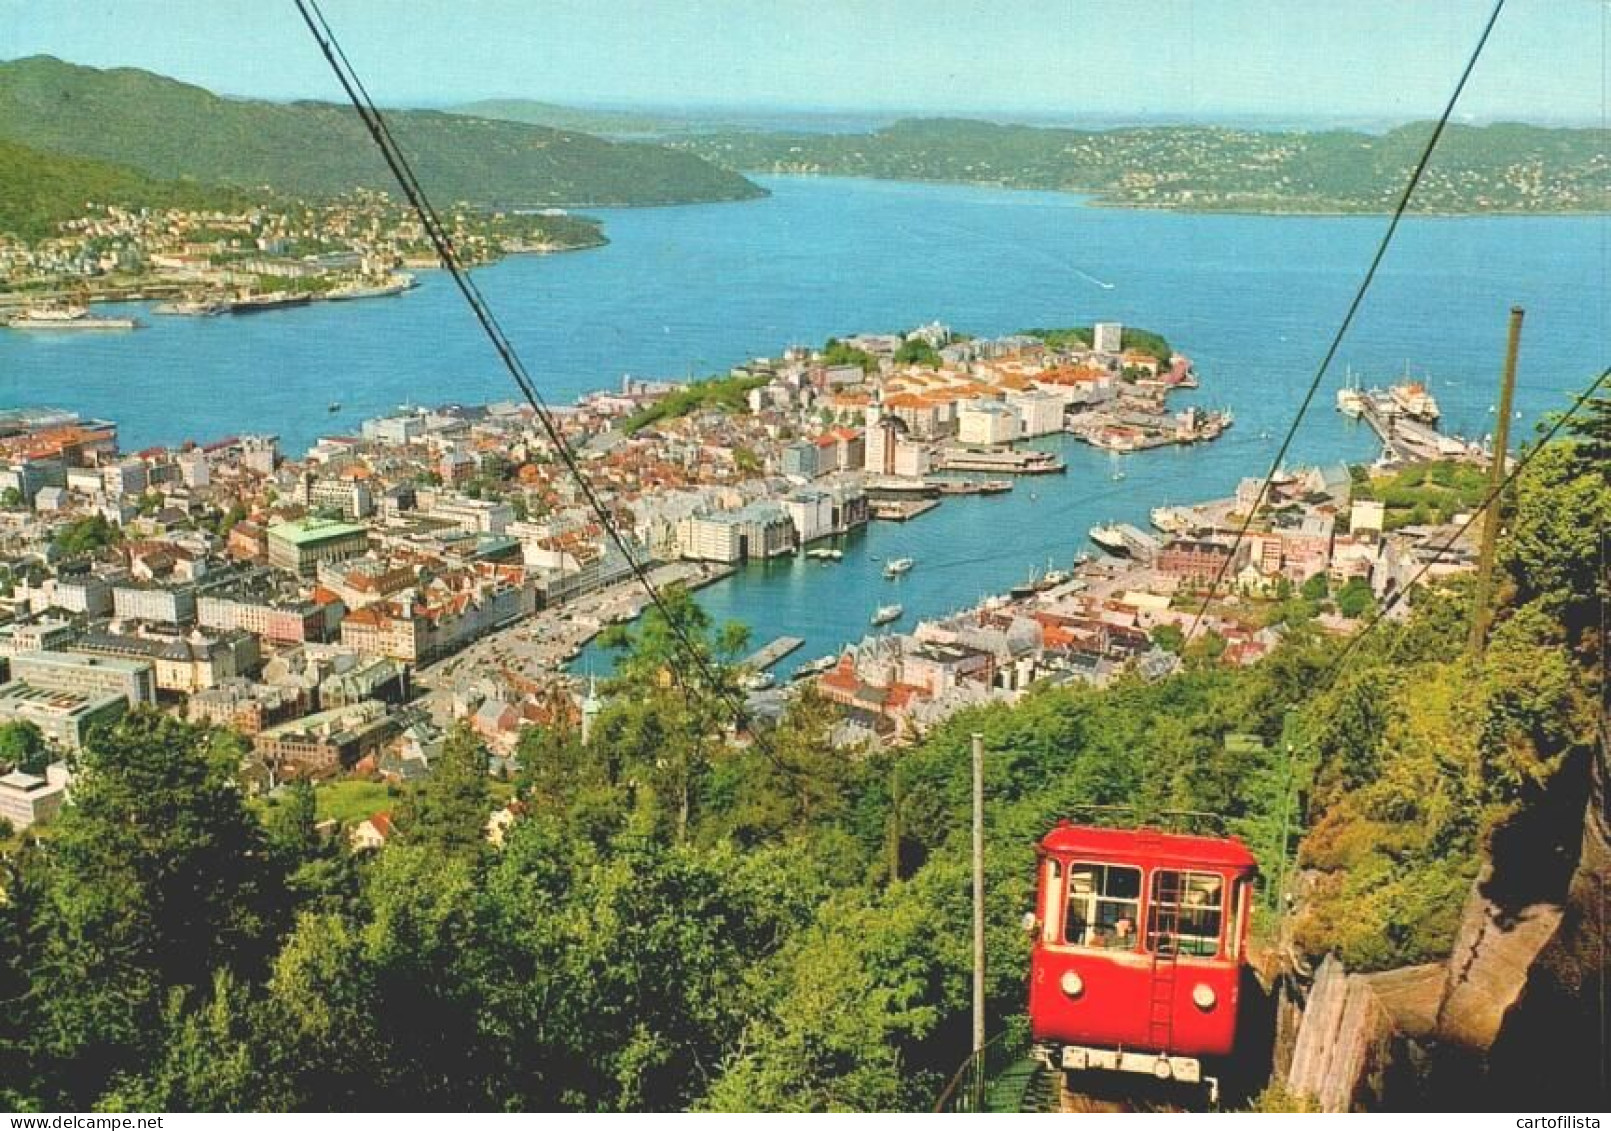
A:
(340, 608)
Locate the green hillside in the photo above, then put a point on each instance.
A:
(172, 130)
(1497, 168)
(40, 190)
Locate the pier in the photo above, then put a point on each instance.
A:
(763, 658)
(900, 510)
(1407, 439)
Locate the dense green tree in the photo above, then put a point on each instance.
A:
(153, 879)
(447, 811)
(22, 746)
(86, 536)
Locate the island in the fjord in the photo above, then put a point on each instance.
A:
(1497, 168)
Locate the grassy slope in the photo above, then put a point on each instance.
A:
(38, 190)
(171, 130)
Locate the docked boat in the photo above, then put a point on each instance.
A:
(1111, 539)
(1414, 400)
(995, 486)
(1171, 520)
(758, 681)
(393, 285)
(1026, 589)
(273, 300)
(191, 307)
(1351, 403)
(814, 667)
(887, 614)
(66, 318)
(898, 566)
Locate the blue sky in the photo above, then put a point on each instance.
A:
(1289, 59)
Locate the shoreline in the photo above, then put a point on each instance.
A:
(1098, 198)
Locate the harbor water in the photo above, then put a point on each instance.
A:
(693, 290)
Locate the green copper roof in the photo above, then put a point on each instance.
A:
(307, 531)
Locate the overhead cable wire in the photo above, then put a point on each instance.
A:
(380, 132)
(1353, 309)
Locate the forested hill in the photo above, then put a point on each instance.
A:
(171, 130)
(40, 190)
(1497, 168)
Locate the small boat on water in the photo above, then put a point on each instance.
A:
(758, 681)
(335, 406)
(814, 667)
(66, 318)
(887, 614)
(826, 554)
(898, 566)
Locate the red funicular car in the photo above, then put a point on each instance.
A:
(1140, 941)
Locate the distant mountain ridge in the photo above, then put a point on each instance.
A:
(1496, 168)
(172, 130)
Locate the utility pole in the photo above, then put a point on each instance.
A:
(1496, 476)
(894, 820)
(978, 905)
(1289, 784)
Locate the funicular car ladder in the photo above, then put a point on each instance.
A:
(1164, 942)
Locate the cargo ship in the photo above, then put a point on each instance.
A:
(273, 300)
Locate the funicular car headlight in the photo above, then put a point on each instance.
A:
(1071, 983)
(1203, 996)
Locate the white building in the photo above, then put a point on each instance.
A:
(135, 601)
(1039, 413)
(26, 799)
(988, 423)
(812, 513)
(1107, 336)
(193, 469)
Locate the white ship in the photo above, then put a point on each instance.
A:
(1110, 538)
(66, 318)
(1414, 401)
(758, 681)
(887, 614)
(1171, 520)
(394, 285)
(898, 566)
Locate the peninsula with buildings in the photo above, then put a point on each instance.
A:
(340, 610)
(202, 262)
(1505, 167)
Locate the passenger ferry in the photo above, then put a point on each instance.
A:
(66, 318)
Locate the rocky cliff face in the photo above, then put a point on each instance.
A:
(1517, 1014)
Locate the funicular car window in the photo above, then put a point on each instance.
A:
(1185, 913)
(1104, 901)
